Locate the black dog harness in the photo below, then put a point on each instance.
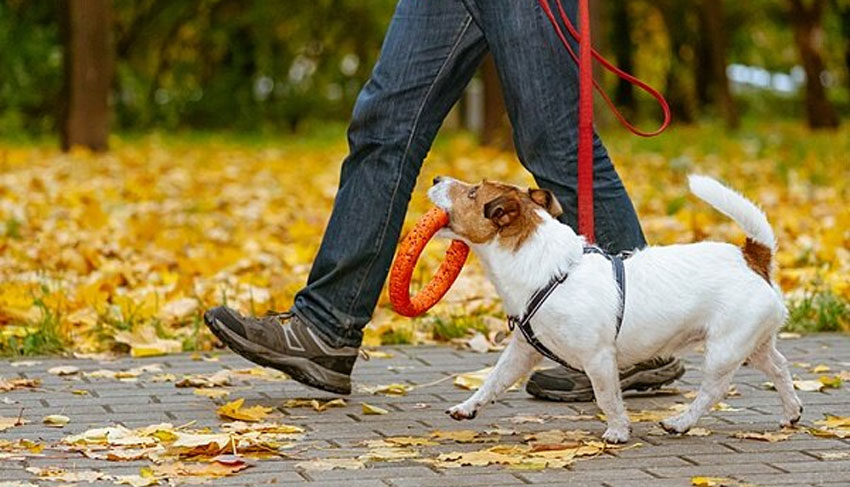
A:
(539, 297)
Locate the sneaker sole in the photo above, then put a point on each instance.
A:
(644, 380)
(301, 369)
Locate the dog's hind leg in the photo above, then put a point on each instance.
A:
(719, 367)
(515, 362)
(604, 377)
(767, 359)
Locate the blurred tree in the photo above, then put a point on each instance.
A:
(712, 82)
(620, 40)
(680, 22)
(88, 73)
(808, 34)
(842, 8)
(496, 129)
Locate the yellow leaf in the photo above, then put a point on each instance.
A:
(56, 420)
(369, 409)
(833, 382)
(212, 393)
(317, 404)
(820, 369)
(234, 410)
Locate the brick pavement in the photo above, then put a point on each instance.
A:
(660, 461)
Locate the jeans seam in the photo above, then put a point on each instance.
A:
(413, 129)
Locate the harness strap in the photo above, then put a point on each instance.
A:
(540, 296)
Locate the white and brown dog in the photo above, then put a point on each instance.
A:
(679, 296)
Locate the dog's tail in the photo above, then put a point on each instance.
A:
(761, 242)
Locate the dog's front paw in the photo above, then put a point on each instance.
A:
(616, 435)
(462, 411)
(675, 425)
(789, 420)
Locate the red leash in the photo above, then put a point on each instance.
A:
(585, 113)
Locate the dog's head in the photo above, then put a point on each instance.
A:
(488, 211)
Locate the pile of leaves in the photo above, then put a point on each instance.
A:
(124, 251)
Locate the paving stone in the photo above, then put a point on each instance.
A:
(341, 432)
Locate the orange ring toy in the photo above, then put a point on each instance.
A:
(405, 262)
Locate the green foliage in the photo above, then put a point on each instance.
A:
(41, 338)
(820, 311)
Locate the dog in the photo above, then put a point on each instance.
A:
(712, 294)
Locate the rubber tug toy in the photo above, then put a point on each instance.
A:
(408, 254)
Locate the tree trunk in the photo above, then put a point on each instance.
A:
(88, 73)
(621, 43)
(808, 35)
(496, 130)
(679, 89)
(843, 10)
(712, 15)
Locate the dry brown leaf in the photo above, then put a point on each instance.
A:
(62, 475)
(6, 423)
(769, 436)
(319, 405)
(13, 384)
(387, 389)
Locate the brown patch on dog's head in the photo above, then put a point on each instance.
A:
(758, 257)
(488, 210)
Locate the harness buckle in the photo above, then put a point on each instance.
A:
(512, 322)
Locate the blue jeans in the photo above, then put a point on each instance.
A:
(430, 53)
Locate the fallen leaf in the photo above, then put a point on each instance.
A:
(769, 436)
(62, 475)
(833, 382)
(319, 405)
(698, 432)
(211, 393)
(63, 370)
(56, 420)
(388, 454)
(387, 390)
(218, 379)
(463, 436)
(212, 469)
(787, 335)
(475, 379)
(331, 464)
(6, 423)
(24, 363)
(820, 369)
(145, 343)
(478, 343)
(369, 409)
(13, 384)
(712, 482)
(722, 406)
(808, 385)
(834, 455)
(136, 480)
(378, 354)
(234, 410)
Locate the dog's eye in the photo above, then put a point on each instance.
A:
(472, 192)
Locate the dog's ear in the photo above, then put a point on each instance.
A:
(502, 210)
(547, 200)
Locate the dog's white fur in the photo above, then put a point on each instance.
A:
(677, 296)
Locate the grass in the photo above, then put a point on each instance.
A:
(819, 311)
(43, 337)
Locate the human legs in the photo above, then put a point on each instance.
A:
(431, 51)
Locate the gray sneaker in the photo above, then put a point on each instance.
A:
(571, 385)
(283, 342)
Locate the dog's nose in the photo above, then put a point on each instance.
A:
(437, 180)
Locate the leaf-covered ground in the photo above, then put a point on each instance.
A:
(123, 251)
